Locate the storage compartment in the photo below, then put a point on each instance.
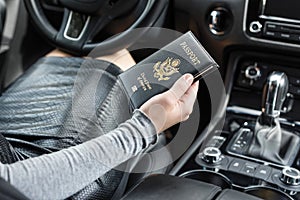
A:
(209, 177)
(172, 187)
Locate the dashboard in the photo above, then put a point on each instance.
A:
(256, 36)
(253, 41)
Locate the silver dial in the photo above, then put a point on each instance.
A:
(212, 155)
(290, 176)
(253, 72)
(255, 27)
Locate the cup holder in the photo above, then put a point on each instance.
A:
(267, 193)
(208, 177)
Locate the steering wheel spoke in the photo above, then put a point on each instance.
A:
(78, 29)
(76, 25)
(73, 29)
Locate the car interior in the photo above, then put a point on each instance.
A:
(246, 142)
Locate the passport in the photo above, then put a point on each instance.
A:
(158, 72)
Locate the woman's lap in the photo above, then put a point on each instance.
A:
(58, 104)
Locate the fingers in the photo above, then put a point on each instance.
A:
(188, 99)
(191, 94)
(181, 86)
(173, 106)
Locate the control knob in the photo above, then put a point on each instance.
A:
(253, 72)
(212, 155)
(220, 21)
(290, 176)
(255, 27)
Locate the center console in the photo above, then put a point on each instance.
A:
(224, 158)
(263, 91)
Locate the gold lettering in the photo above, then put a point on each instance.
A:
(145, 84)
(142, 83)
(190, 53)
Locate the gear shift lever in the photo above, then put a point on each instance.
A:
(274, 94)
(270, 142)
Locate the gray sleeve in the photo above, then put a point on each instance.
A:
(59, 175)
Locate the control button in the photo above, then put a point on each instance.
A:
(216, 141)
(242, 141)
(236, 165)
(270, 33)
(249, 169)
(255, 27)
(294, 81)
(294, 90)
(262, 172)
(272, 27)
(290, 176)
(212, 155)
(285, 36)
(253, 72)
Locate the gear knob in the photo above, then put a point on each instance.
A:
(274, 94)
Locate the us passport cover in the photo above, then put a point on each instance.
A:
(158, 72)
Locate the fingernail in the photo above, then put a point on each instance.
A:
(196, 84)
(189, 78)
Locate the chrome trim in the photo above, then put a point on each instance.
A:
(82, 31)
(264, 16)
(276, 90)
(259, 39)
(263, 6)
(279, 19)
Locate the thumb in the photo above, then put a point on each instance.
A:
(181, 86)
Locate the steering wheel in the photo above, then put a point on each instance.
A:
(84, 19)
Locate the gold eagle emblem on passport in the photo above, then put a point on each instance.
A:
(163, 70)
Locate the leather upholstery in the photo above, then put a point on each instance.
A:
(178, 188)
(172, 187)
(274, 144)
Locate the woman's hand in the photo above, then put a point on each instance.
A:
(172, 106)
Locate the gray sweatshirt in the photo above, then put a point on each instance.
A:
(59, 175)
